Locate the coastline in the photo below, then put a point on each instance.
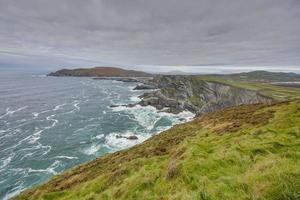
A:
(74, 107)
(179, 150)
(174, 95)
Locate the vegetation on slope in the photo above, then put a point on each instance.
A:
(244, 152)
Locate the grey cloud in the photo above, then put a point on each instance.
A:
(142, 32)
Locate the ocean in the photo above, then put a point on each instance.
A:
(49, 124)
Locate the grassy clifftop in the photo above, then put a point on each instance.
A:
(244, 152)
(277, 92)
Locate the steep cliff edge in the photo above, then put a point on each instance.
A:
(245, 152)
(178, 93)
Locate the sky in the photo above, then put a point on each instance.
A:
(151, 35)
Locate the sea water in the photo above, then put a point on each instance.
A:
(49, 124)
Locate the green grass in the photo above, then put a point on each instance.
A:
(249, 152)
(277, 92)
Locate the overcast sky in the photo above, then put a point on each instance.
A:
(191, 35)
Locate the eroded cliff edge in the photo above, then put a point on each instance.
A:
(178, 93)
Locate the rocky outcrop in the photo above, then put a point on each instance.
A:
(179, 93)
(145, 87)
(131, 137)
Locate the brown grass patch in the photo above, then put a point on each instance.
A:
(232, 119)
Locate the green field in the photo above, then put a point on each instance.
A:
(245, 152)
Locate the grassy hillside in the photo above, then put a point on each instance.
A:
(246, 152)
(264, 76)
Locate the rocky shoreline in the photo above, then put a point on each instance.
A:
(177, 93)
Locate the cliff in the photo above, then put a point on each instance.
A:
(244, 152)
(178, 93)
(100, 72)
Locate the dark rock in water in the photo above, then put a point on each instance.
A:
(130, 105)
(114, 106)
(129, 80)
(131, 137)
(125, 105)
(145, 87)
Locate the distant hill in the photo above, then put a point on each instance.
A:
(265, 76)
(177, 72)
(100, 72)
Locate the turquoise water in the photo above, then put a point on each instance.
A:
(49, 124)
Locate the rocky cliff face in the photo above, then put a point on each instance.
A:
(178, 93)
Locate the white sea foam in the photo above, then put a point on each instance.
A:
(46, 147)
(6, 161)
(135, 99)
(66, 157)
(27, 155)
(39, 76)
(11, 112)
(37, 149)
(50, 118)
(14, 192)
(59, 106)
(99, 136)
(35, 137)
(114, 143)
(86, 128)
(76, 107)
(148, 116)
(92, 149)
(36, 114)
(49, 170)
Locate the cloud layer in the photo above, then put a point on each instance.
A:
(138, 33)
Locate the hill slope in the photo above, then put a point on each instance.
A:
(265, 76)
(244, 152)
(258, 76)
(100, 72)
